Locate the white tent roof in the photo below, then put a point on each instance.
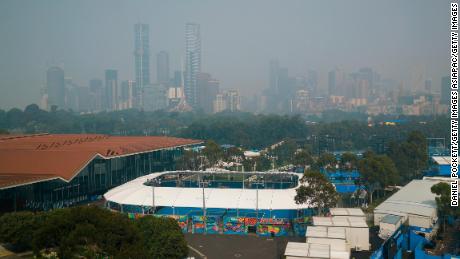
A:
(415, 198)
(340, 221)
(357, 212)
(136, 193)
(306, 250)
(325, 232)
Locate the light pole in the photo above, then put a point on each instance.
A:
(154, 181)
(257, 183)
(203, 183)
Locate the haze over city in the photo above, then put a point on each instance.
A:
(402, 40)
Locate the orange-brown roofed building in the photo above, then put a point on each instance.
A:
(46, 171)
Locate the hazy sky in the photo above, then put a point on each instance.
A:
(405, 40)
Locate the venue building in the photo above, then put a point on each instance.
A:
(217, 201)
(46, 171)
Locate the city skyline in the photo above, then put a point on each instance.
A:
(232, 54)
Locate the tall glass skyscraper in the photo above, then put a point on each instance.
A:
(111, 89)
(163, 67)
(192, 62)
(55, 86)
(141, 56)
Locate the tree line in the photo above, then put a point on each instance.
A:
(92, 232)
(240, 129)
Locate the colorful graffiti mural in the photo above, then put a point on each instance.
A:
(300, 225)
(234, 225)
(212, 224)
(273, 227)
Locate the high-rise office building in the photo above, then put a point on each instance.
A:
(428, 86)
(127, 96)
(97, 94)
(141, 57)
(208, 88)
(445, 90)
(111, 89)
(336, 82)
(192, 61)
(55, 87)
(163, 67)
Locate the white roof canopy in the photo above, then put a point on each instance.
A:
(136, 193)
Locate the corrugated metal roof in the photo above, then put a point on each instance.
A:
(30, 158)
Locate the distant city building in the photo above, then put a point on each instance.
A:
(97, 94)
(141, 57)
(177, 79)
(312, 82)
(445, 90)
(207, 88)
(55, 87)
(428, 86)
(336, 81)
(155, 97)
(128, 95)
(111, 89)
(229, 100)
(192, 62)
(77, 97)
(163, 67)
(219, 103)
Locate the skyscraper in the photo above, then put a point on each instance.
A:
(163, 67)
(141, 56)
(97, 94)
(192, 61)
(55, 86)
(111, 89)
(208, 88)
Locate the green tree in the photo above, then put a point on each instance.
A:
(213, 152)
(348, 161)
(303, 158)
(162, 237)
(189, 160)
(442, 189)
(316, 189)
(445, 210)
(326, 160)
(18, 228)
(377, 172)
(410, 156)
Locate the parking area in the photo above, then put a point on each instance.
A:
(235, 246)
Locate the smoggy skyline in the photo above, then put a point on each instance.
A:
(404, 40)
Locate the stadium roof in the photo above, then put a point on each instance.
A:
(137, 193)
(26, 159)
(415, 198)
